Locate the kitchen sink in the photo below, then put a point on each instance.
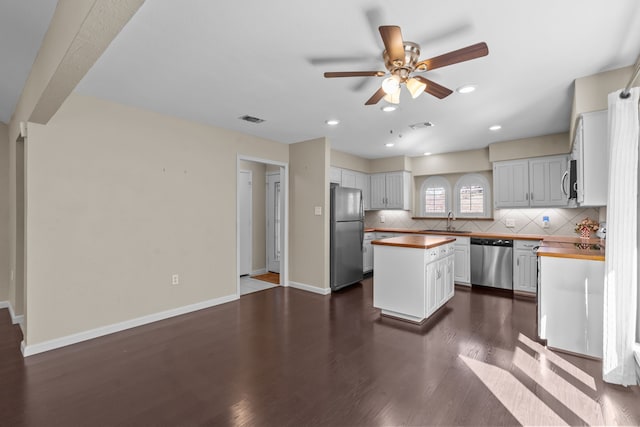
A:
(430, 230)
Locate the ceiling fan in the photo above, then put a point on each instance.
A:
(401, 58)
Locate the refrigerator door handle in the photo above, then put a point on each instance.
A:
(361, 235)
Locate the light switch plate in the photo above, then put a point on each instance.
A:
(510, 223)
(318, 210)
(381, 218)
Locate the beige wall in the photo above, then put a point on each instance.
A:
(455, 162)
(118, 200)
(258, 217)
(390, 164)
(349, 161)
(546, 145)
(591, 92)
(309, 233)
(4, 212)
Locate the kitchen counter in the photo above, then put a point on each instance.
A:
(412, 241)
(470, 234)
(413, 276)
(572, 247)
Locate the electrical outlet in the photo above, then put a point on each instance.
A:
(545, 222)
(382, 218)
(317, 210)
(175, 279)
(510, 223)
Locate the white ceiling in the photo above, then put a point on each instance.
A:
(22, 27)
(213, 61)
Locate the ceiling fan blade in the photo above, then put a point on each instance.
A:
(376, 97)
(392, 39)
(434, 88)
(465, 54)
(354, 74)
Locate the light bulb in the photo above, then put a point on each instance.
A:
(416, 87)
(391, 84)
(393, 98)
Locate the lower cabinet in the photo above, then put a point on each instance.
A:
(462, 264)
(367, 252)
(525, 266)
(412, 283)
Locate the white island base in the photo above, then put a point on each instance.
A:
(413, 276)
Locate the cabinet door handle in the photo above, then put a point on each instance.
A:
(562, 182)
(526, 196)
(518, 262)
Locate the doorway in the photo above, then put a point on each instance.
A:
(274, 222)
(245, 223)
(265, 253)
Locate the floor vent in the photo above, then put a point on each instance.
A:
(251, 119)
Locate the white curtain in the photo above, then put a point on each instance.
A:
(621, 263)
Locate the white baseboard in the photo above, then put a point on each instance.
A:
(15, 319)
(258, 271)
(309, 288)
(29, 350)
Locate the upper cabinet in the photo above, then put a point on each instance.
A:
(591, 152)
(529, 182)
(391, 190)
(353, 179)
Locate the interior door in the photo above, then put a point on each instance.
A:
(245, 221)
(274, 222)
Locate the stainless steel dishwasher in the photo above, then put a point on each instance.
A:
(492, 262)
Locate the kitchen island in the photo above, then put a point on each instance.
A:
(413, 276)
(570, 294)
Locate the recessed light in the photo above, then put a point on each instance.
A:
(495, 127)
(389, 108)
(466, 89)
(389, 144)
(427, 154)
(332, 122)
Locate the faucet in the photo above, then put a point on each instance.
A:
(450, 218)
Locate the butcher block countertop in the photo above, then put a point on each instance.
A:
(572, 247)
(411, 241)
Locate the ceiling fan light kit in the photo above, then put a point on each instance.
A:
(401, 59)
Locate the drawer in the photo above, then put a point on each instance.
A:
(369, 235)
(431, 255)
(526, 244)
(385, 235)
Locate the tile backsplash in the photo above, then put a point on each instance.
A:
(526, 221)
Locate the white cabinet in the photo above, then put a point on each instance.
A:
(367, 252)
(335, 175)
(353, 179)
(570, 304)
(545, 181)
(511, 184)
(348, 178)
(412, 283)
(591, 152)
(529, 182)
(391, 190)
(525, 266)
(362, 182)
(462, 262)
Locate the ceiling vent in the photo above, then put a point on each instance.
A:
(421, 125)
(251, 119)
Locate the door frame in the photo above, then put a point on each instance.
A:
(250, 209)
(284, 189)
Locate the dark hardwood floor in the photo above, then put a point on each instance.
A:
(285, 357)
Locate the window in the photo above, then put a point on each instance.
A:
(435, 195)
(472, 195)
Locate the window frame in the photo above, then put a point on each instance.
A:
(468, 180)
(435, 181)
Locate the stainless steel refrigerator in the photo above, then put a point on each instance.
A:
(347, 234)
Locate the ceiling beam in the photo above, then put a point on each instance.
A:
(79, 36)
